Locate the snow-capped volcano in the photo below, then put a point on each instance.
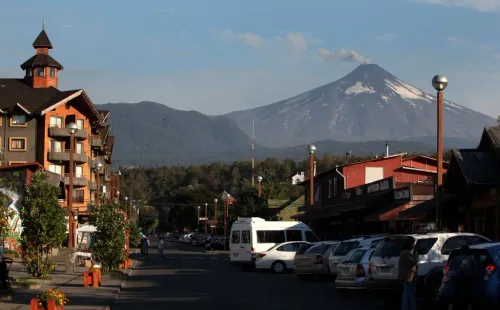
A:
(367, 104)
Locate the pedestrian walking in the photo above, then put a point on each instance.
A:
(407, 274)
(161, 245)
(145, 247)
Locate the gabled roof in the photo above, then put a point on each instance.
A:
(42, 41)
(490, 139)
(424, 157)
(41, 60)
(479, 167)
(104, 114)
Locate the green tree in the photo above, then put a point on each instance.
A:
(109, 242)
(43, 222)
(5, 213)
(135, 234)
(148, 219)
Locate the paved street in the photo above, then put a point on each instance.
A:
(187, 278)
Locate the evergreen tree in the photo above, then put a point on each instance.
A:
(109, 244)
(43, 221)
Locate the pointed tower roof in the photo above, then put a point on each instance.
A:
(42, 41)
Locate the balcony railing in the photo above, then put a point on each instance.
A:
(61, 131)
(79, 180)
(78, 199)
(58, 154)
(96, 142)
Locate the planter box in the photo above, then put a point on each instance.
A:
(92, 278)
(51, 305)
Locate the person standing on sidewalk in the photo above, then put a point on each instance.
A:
(161, 245)
(407, 274)
(145, 247)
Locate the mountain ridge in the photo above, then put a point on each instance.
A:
(350, 109)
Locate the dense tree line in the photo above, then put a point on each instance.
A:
(176, 192)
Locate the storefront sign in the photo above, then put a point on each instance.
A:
(403, 193)
(369, 189)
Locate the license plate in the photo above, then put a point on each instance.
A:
(236, 254)
(385, 269)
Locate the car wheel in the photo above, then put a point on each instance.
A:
(278, 267)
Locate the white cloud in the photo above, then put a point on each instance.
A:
(387, 37)
(349, 56)
(480, 5)
(248, 38)
(297, 42)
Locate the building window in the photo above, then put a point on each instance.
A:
(56, 146)
(16, 162)
(52, 72)
(56, 169)
(79, 171)
(18, 120)
(17, 144)
(40, 71)
(29, 72)
(56, 121)
(79, 148)
(330, 188)
(80, 124)
(78, 195)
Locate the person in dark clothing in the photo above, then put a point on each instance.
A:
(407, 274)
(463, 280)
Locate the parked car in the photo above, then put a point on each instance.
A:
(279, 258)
(353, 272)
(344, 248)
(251, 235)
(314, 262)
(217, 244)
(486, 278)
(433, 250)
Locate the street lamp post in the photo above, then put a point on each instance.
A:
(198, 218)
(311, 149)
(206, 217)
(226, 213)
(215, 215)
(439, 82)
(129, 210)
(259, 179)
(98, 166)
(72, 128)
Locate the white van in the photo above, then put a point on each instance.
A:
(251, 235)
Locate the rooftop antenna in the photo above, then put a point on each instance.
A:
(253, 152)
(43, 23)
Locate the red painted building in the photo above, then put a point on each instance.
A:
(414, 169)
(370, 194)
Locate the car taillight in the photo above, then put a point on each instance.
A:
(252, 250)
(490, 269)
(446, 269)
(370, 268)
(319, 259)
(360, 271)
(261, 255)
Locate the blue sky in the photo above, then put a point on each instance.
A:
(224, 55)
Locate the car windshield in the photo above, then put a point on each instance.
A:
(480, 258)
(345, 247)
(392, 246)
(317, 249)
(303, 248)
(356, 256)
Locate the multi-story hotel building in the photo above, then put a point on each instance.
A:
(33, 126)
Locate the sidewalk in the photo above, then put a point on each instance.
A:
(80, 298)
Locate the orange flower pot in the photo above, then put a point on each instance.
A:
(92, 278)
(51, 305)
